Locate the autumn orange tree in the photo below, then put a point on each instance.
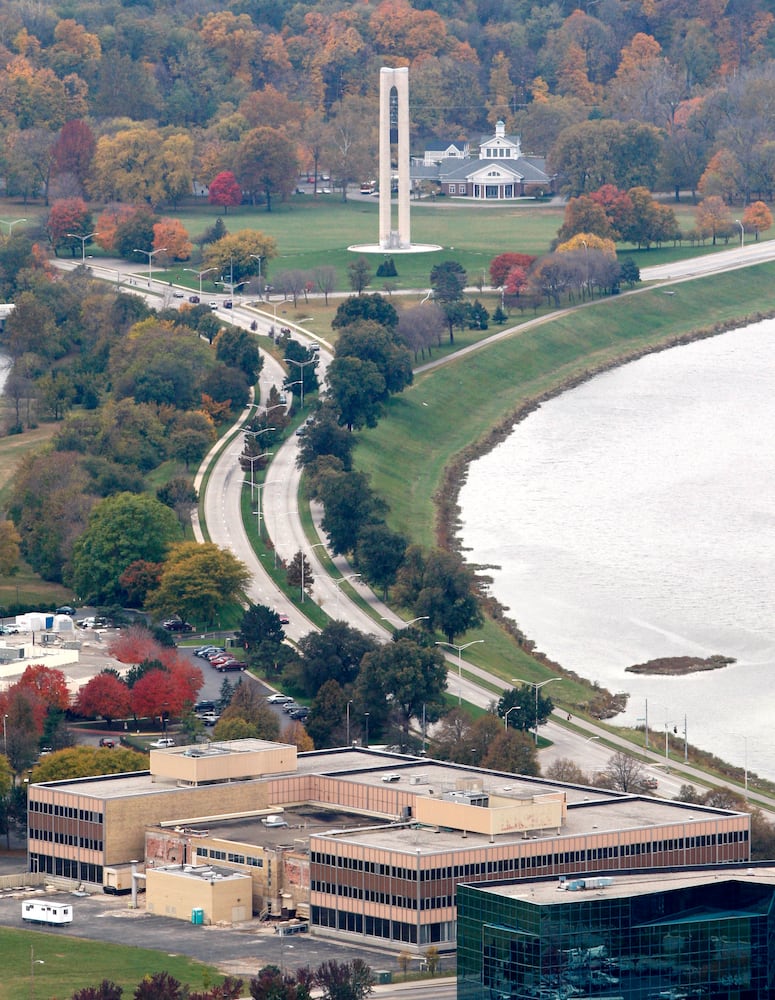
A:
(171, 236)
(713, 217)
(68, 220)
(757, 218)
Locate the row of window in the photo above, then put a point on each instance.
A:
(66, 867)
(506, 865)
(386, 898)
(391, 930)
(71, 839)
(498, 152)
(69, 812)
(237, 859)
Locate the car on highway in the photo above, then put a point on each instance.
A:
(284, 619)
(177, 294)
(279, 699)
(213, 304)
(228, 304)
(194, 299)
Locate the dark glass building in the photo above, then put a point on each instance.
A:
(653, 935)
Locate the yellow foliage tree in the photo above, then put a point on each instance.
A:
(588, 241)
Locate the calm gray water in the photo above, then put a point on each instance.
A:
(633, 518)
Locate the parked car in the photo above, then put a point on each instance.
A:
(107, 742)
(65, 610)
(299, 714)
(176, 625)
(209, 718)
(9, 630)
(163, 743)
(290, 706)
(230, 665)
(279, 699)
(205, 651)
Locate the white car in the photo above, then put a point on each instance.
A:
(279, 699)
(162, 744)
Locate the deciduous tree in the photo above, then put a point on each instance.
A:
(104, 694)
(198, 580)
(266, 165)
(438, 584)
(171, 235)
(514, 752)
(224, 191)
(69, 216)
(83, 762)
(122, 529)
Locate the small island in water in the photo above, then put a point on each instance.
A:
(677, 665)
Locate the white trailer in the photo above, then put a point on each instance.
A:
(43, 911)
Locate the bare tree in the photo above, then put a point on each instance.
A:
(325, 279)
(421, 326)
(624, 773)
(567, 770)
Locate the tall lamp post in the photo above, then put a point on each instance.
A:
(536, 685)
(199, 274)
(508, 712)
(366, 717)
(5, 735)
(259, 487)
(151, 254)
(83, 239)
(742, 232)
(302, 365)
(259, 258)
(11, 224)
(460, 649)
(252, 459)
(348, 722)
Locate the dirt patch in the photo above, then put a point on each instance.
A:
(678, 665)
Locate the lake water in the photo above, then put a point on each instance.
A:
(634, 518)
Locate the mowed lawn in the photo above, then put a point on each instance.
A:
(65, 964)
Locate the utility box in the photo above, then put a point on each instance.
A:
(384, 976)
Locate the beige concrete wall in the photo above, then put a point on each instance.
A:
(506, 815)
(239, 760)
(173, 894)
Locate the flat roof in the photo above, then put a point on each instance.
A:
(622, 886)
(202, 873)
(589, 809)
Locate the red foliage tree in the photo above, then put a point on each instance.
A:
(504, 262)
(159, 691)
(68, 215)
(49, 684)
(140, 577)
(105, 695)
(225, 191)
(133, 645)
(74, 150)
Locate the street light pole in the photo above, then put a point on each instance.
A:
(151, 254)
(742, 233)
(348, 722)
(10, 225)
(252, 459)
(460, 649)
(83, 239)
(259, 487)
(536, 685)
(506, 716)
(366, 714)
(259, 258)
(193, 270)
(302, 365)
